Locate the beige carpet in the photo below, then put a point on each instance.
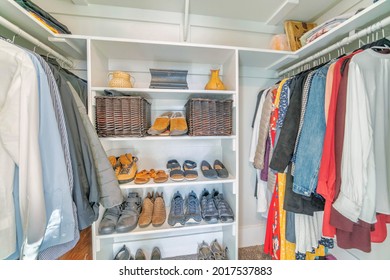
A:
(252, 253)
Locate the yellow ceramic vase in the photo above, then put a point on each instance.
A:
(215, 83)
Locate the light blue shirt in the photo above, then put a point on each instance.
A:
(58, 198)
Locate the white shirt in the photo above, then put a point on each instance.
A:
(19, 122)
(365, 166)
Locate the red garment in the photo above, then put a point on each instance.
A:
(327, 171)
(272, 234)
(272, 237)
(380, 233)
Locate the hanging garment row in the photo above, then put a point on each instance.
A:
(54, 171)
(321, 150)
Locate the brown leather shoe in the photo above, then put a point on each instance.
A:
(147, 211)
(129, 168)
(159, 211)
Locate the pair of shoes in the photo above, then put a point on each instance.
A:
(169, 123)
(123, 254)
(144, 176)
(183, 212)
(214, 207)
(213, 252)
(204, 252)
(156, 254)
(188, 172)
(121, 218)
(219, 170)
(153, 210)
(125, 167)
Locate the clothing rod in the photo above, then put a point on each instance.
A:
(12, 27)
(347, 40)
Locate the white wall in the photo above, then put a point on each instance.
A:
(252, 225)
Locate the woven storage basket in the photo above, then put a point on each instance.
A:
(209, 117)
(122, 116)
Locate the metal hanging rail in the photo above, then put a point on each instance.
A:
(19, 32)
(347, 40)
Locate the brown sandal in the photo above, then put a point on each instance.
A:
(142, 177)
(160, 177)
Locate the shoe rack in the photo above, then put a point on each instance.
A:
(137, 57)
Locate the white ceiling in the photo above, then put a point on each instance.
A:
(252, 10)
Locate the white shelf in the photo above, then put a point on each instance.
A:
(201, 181)
(166, 138)
(369, 15)
(181, 94)
(165, 229)
(68, 45)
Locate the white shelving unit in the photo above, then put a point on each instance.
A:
(104, 54)
(137, 57)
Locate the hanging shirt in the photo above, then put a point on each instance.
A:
(366, 154)
(19, 138)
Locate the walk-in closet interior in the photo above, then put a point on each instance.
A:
(193, 129)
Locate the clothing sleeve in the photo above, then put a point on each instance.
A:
(19, 117)
(356, 148)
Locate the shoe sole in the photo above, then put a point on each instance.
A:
(125, 181)
(193, 221)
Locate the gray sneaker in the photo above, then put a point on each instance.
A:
(140, 255)
(225, 212)
(208, 207)
(110, 219)
(131, 210)
(192, 212)
(123, 254)
(176, 214)
(156, 254)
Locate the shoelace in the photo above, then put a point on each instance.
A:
(178, 206)
(192, 203)
(130, 205)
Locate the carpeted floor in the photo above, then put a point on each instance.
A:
(252, 253)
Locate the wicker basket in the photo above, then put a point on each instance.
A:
(209, 117)
(122, 116)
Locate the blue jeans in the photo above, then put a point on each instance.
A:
(309, 150)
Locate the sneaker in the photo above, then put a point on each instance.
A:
(147, 211)
(176, 214)
(208, 208)
(140, 255)
(218, 251)
(156, 254)
(204, 252)
(159, 211)
(110, 219)
(225, 212)
(123, 254)
(192, 211)
(131, 210)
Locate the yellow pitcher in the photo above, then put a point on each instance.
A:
(120, 79)
(215, 83)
